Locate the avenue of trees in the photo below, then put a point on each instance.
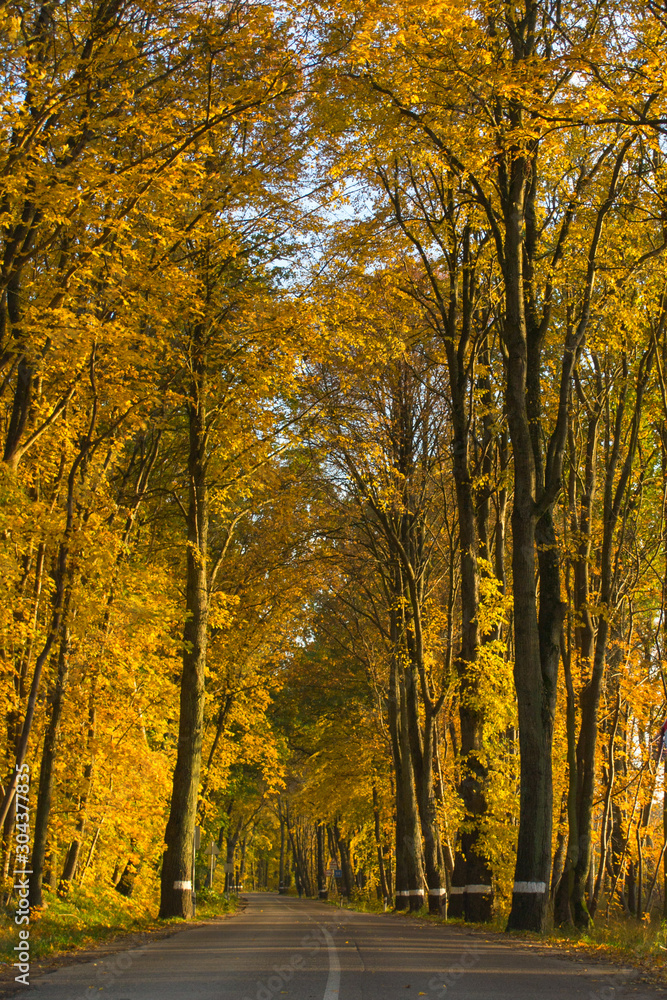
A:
(333, 439)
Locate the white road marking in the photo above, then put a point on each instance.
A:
(333, 982)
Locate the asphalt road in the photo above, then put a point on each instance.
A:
(304, 950)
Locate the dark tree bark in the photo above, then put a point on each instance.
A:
(421, 728)
(60, 577)
(404, 532)
(241, 870)
(74, 850)
(231, 841)
(146, 463)
(322, 891)
(299, 852)
(128, 878)
(409, 871)
(535, 679)
(345, 860)
(396, 534)
(45, 789)
(13, 715)
(590, 638)
(62, 601)
(177, 866)
(378, 846)
(448, 307)
(590, 697)
(664, 836)
(282, 884)
(537, 481)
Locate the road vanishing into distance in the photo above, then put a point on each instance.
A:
(281, 947)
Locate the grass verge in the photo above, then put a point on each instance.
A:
(95, 915)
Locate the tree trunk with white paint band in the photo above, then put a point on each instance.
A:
(177, 873)
(409, 860)
(422, 757)
(535, 666)
(469, 861)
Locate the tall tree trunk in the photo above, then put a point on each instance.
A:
(73, 853)
(562, 911)
(664, 836)
(471, 890)
(421, 749)
(537, 643)
(301, 861)
(128, 878)
(241, 872)
(177, 864)
(45, 791)
(420, 712)
(409, 868)
(378, 846)
(580, 637)
(322, 891)
(452, 303)
(59, 626)
(282, 884)
(62, 569)
(410, 875)
(232, 840)
(558, 865)
(345, 860)
(146, 465)
(537, 470)
(13, 716)
(605, 832)
(62, 577)
(536, 639)
(594, 655)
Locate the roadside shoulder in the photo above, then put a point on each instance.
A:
(118, 943)
(643, 969)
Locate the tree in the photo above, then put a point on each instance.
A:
(500, 133)
(383, 435)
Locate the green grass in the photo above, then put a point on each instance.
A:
(626, 940)
(211, 904)
(94, 915)
(362, 904)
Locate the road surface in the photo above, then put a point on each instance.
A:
(281, 947)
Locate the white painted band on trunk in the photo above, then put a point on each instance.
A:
(459, 890)
(183, 885)
(333, 980)
(437, 892)
(534, 887)
(409, 892)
